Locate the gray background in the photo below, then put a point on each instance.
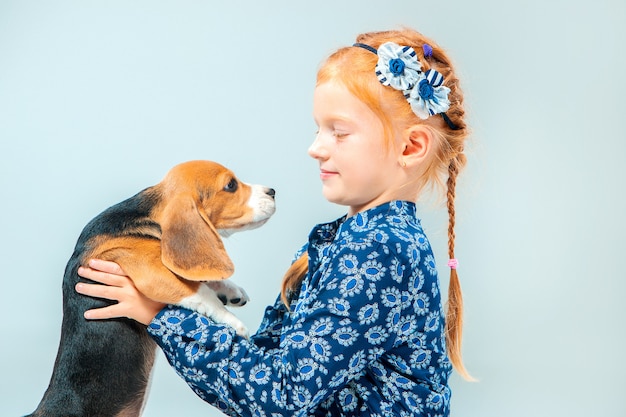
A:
(98, 99)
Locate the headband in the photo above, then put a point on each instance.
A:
(399, 68)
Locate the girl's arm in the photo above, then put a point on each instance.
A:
(268, 334)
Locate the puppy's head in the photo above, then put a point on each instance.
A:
(201, 201)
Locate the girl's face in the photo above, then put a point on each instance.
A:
(357, 168)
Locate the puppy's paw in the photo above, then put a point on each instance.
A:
(229, 294)
(207, 302)
(224, 316)
(242, 330)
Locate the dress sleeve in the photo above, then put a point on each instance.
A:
(268, 334)
(347, 319)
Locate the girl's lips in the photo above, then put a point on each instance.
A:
(324, 174)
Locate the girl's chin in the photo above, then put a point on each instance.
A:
(331, 195)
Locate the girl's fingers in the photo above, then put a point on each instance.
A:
(103, 277)
(109, 312)
(106, 266)
(99, 291)
(114, 285)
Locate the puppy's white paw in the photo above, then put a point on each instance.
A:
(241, 329)
(222, 315)
(229, 293)
(207, 302)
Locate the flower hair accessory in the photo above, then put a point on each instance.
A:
(399, 68)
(429, 96)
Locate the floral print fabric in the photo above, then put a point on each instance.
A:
(364, 335)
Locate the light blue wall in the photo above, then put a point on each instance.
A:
(98, 99)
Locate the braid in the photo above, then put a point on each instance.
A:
(454, 311)
(452, 173)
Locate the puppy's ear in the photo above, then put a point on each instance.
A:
(190, 245)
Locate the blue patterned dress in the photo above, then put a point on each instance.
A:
(364, 337)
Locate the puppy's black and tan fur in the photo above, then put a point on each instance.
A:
(167, 239)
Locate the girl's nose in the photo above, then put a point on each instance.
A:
(317, 150)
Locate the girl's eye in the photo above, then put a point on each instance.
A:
(339, 135)
(232, 185)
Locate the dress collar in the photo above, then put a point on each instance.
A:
(400, 209)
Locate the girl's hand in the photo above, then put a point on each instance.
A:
(118, 287)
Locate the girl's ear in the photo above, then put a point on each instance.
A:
(417, 141)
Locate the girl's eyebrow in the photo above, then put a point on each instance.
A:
(336, 118)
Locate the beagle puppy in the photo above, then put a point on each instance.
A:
(167, 238)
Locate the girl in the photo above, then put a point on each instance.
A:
(359, 327)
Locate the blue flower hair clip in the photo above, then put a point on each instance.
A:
(399, 68)
(429, 96)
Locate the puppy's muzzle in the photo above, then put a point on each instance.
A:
(263, 204)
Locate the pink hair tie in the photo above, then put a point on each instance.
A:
(453, 263)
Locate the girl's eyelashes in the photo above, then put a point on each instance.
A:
(331, 131)
(336, 133)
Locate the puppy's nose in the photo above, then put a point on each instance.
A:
(271, 192)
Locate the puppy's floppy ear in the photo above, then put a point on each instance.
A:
(190, 245)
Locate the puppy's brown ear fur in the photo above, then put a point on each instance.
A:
(190, 245)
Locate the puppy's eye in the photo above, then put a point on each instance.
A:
(232, 186)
